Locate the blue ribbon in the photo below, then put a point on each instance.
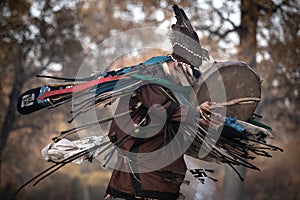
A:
(157, 59)
(232, 122)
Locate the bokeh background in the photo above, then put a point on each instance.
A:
(53, 37)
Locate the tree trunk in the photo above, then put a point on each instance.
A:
(247, 33)
(233, 187)
(11, 113)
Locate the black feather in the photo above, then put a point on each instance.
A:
(183, 24)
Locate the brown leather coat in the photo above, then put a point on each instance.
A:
(129, 180)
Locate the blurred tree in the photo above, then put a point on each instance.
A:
(266, 32)
(34, 38)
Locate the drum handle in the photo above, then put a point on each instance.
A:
(245, 100)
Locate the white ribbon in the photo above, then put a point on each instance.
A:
(58, 151)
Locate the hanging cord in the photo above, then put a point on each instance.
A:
(57, 165)
(66, 133)
(66, 79)
(186, 70)
(102, 98)
(50, 170)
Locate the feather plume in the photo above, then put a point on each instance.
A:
(183, 24)
(185, 41)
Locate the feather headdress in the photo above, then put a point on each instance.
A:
(185, 41)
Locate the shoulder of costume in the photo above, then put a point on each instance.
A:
(157, 60)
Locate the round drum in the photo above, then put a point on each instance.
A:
(227, 81)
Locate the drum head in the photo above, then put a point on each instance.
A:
(223, 82)
(226, 81)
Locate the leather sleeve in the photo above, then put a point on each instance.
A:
(153, 97)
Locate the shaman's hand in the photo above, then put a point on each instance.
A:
(205, 106)
(204, 110)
